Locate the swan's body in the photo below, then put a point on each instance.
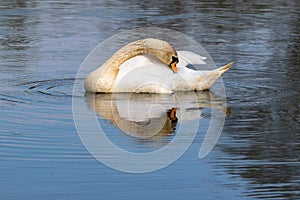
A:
(144, 66)
(144, 73)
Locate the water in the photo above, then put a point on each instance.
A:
(43, 44)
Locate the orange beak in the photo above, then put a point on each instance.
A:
(173, 114)
(174, 68)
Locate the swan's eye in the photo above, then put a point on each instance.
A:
(174, 60)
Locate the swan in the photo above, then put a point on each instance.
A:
(151, 66)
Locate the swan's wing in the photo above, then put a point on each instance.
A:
(144, 73)
(187, 57)
(137, 62)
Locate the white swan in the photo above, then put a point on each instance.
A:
(152, 66)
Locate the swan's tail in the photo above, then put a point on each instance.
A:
(223, 69)
(209, 77)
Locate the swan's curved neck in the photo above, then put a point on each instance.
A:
(102, 79)
(127, 52)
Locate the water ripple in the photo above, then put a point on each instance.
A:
(54, 87)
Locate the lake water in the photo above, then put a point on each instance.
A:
(43, 44)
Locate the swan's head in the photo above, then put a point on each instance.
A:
(163, 51)
(173, 63)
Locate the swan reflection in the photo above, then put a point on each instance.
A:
(152, 115)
